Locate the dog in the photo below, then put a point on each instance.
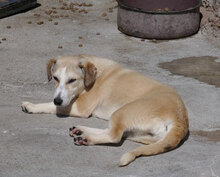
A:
(144, 110)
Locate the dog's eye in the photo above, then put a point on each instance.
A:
(55, 78)
(71, 81)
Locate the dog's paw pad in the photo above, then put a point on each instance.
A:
(81, 141)
(75, 132)
(79, 137)
(78, 132)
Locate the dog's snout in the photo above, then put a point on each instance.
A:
(58, 101)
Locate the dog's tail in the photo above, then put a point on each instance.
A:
(169, 142)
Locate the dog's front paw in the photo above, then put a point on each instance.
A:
(27, 107)
(78, 136)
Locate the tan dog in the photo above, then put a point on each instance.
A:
(153, 113)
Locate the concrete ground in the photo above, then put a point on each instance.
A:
(39, 145)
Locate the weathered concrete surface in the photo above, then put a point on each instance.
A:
(39, 145)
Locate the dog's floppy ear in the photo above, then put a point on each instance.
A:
(90, 72)
(50, 64)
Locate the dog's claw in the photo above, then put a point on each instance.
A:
(70, 129)
(25, 109)
(22, 109)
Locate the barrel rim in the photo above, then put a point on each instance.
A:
(121, 5)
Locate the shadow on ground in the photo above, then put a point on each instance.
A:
(204, 69)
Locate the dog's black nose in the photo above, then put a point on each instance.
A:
(58, 101)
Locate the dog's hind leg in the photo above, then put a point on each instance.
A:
(165, 122)
(124, 119)
(120, 122)
(169, 142)
(90, 136)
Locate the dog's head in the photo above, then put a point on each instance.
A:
(72, 76)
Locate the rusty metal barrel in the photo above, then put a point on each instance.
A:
(159, 19)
